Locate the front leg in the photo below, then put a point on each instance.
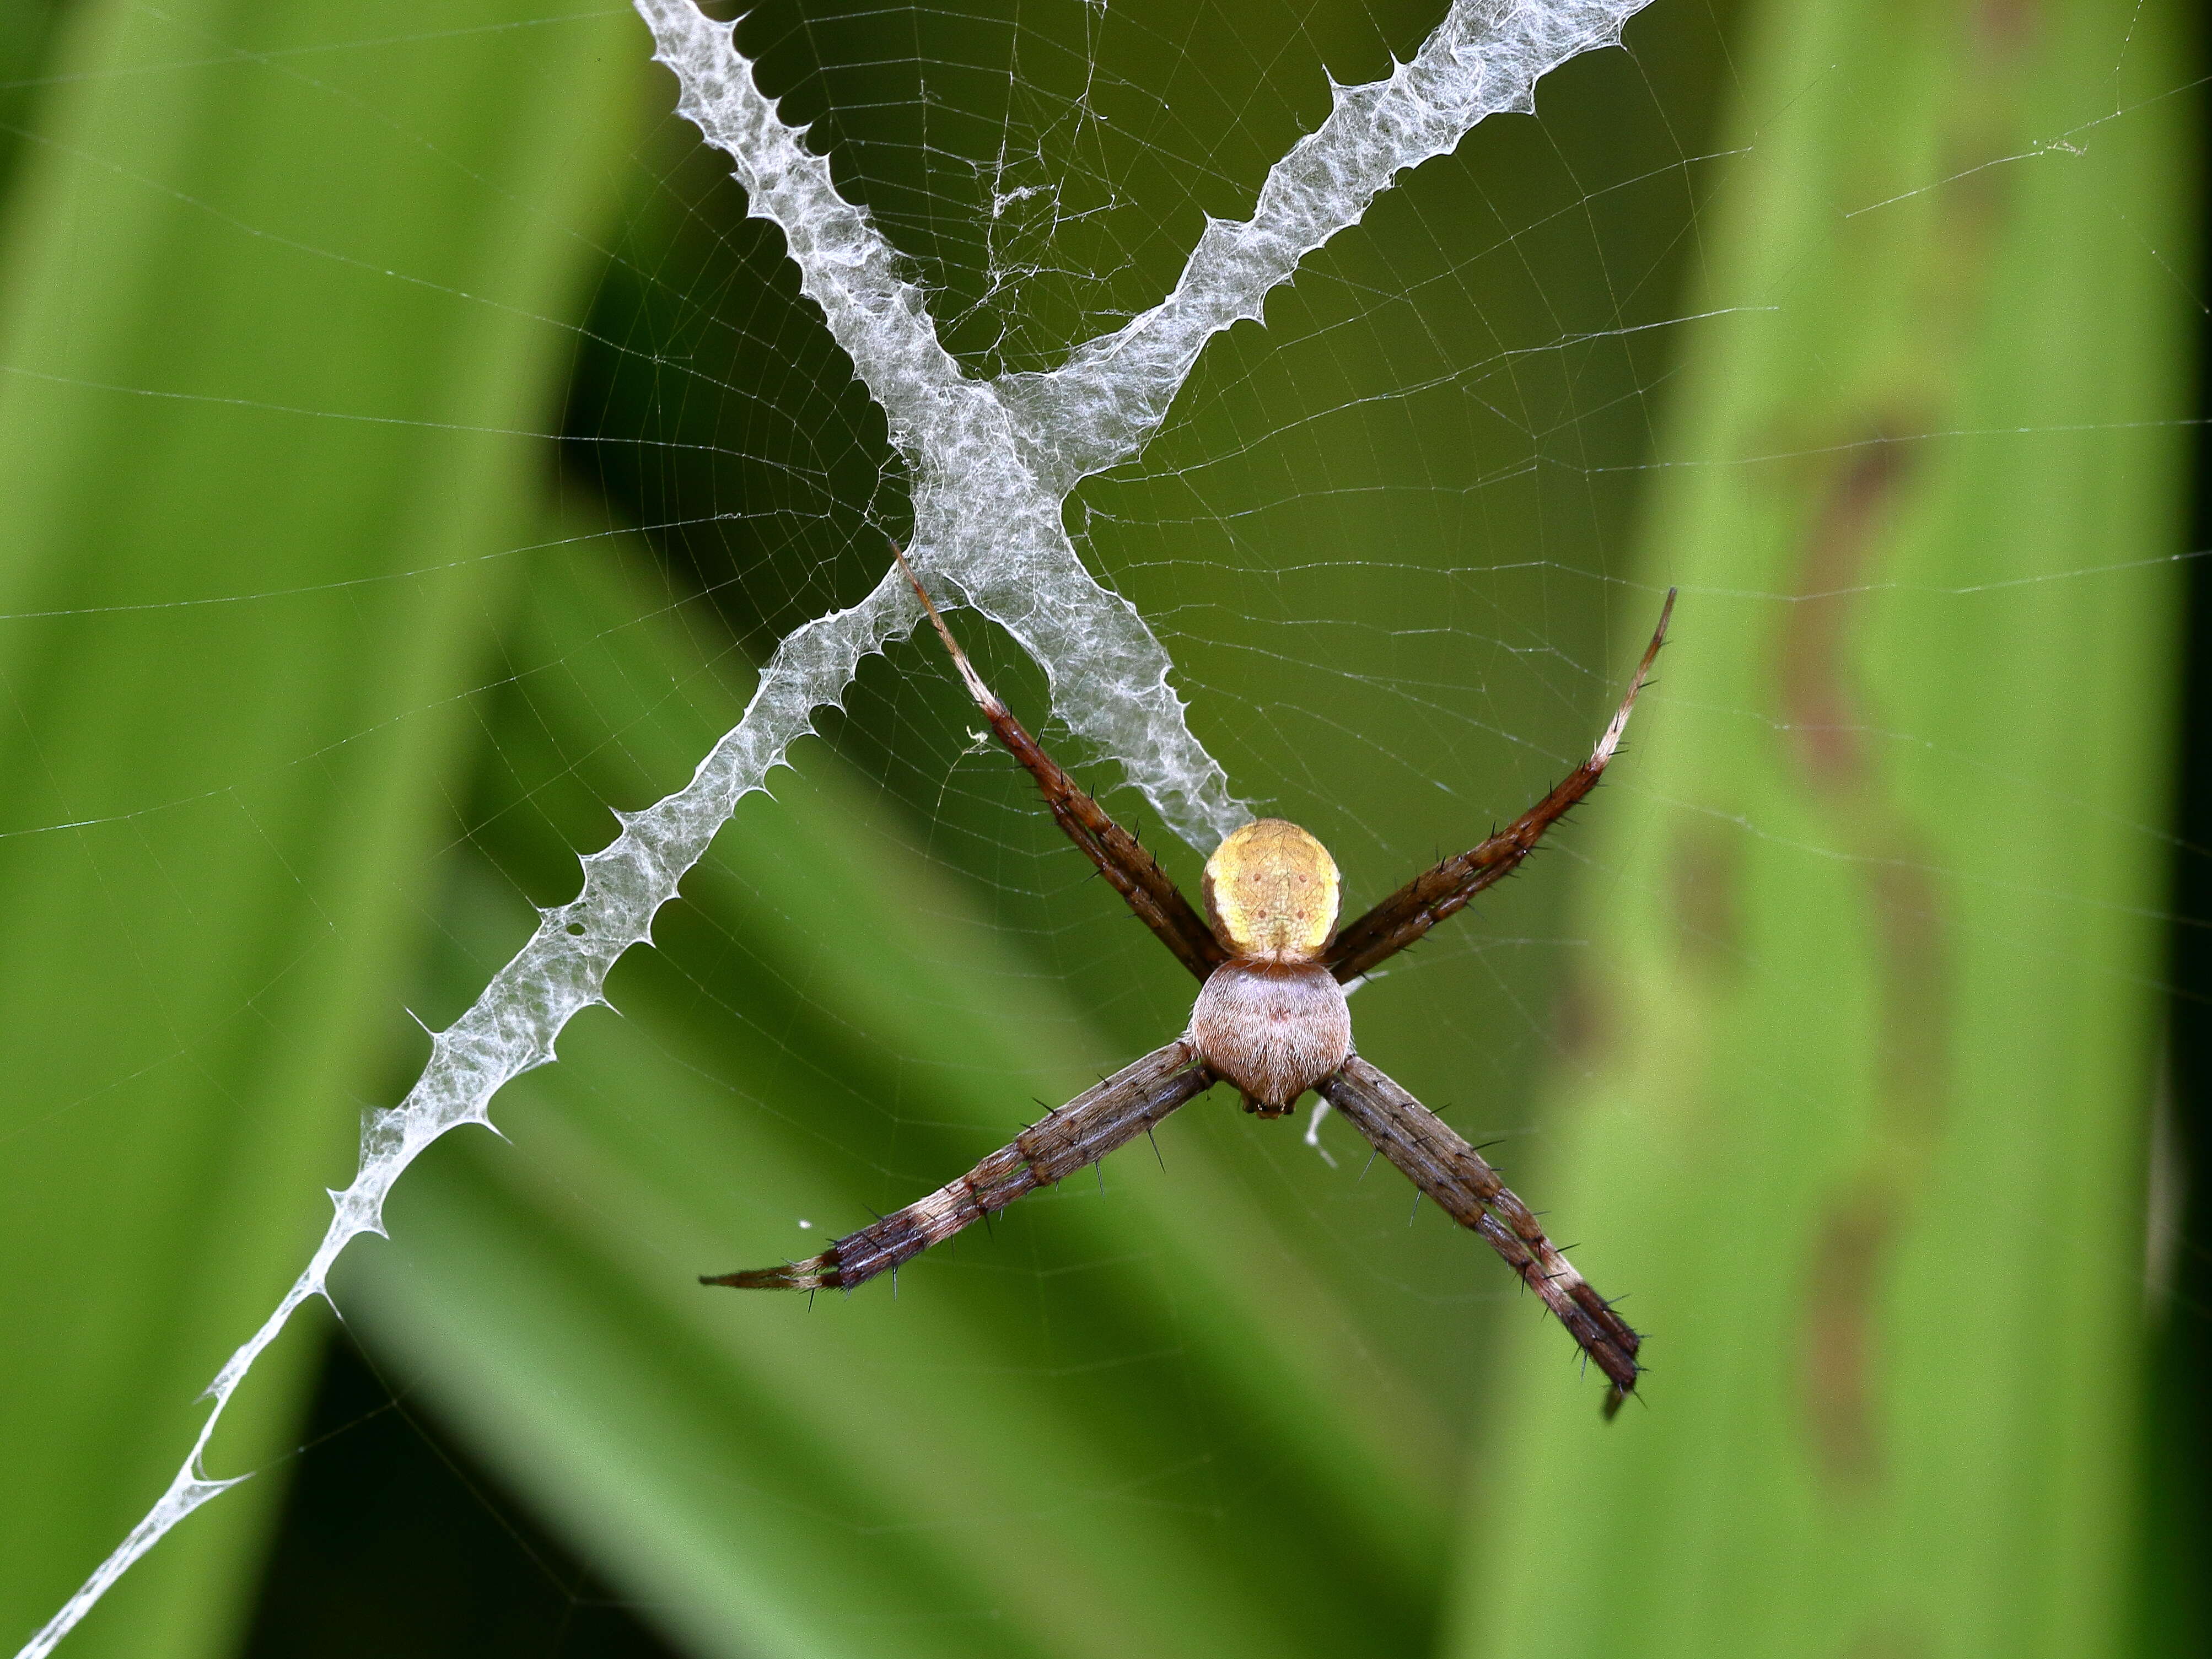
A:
(1442, 891)
(1132, 871)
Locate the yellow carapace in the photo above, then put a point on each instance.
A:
(1272, 893)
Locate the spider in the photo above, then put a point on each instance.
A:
(1271, 1019)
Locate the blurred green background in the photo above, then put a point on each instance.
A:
(408, 447)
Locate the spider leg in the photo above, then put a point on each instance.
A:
(1435, 893)
(1455, 1175)
(1123, 1107)
(1142, 885)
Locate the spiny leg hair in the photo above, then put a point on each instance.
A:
(1434, 894)
(1079, 1133)
(1443, 1165)
(1121, 858)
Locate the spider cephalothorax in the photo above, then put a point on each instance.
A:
(1270, 1018)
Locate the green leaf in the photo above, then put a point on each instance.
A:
(1858, 1110)
(271, 336)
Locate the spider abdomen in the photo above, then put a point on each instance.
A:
(1273, 1029)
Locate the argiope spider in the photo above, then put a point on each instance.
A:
(1271, 1018)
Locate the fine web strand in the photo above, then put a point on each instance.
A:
(992, 463)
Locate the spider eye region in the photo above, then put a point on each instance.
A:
(1272, 893)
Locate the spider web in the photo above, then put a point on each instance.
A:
(1278, 465)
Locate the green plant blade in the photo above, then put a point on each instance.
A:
(1857, 1113)
(268, 336)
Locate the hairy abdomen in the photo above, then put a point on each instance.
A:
(1274, 1029)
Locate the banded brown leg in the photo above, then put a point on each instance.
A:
(1443, 1165)
(1076, 1135)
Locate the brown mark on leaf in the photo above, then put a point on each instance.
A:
(1585, 1020)
(1956, 219)
(1839, 1337)
(1819, 695)
(2008, 28)
(1829, 713)
(1705, 875)
(1891, 1638)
